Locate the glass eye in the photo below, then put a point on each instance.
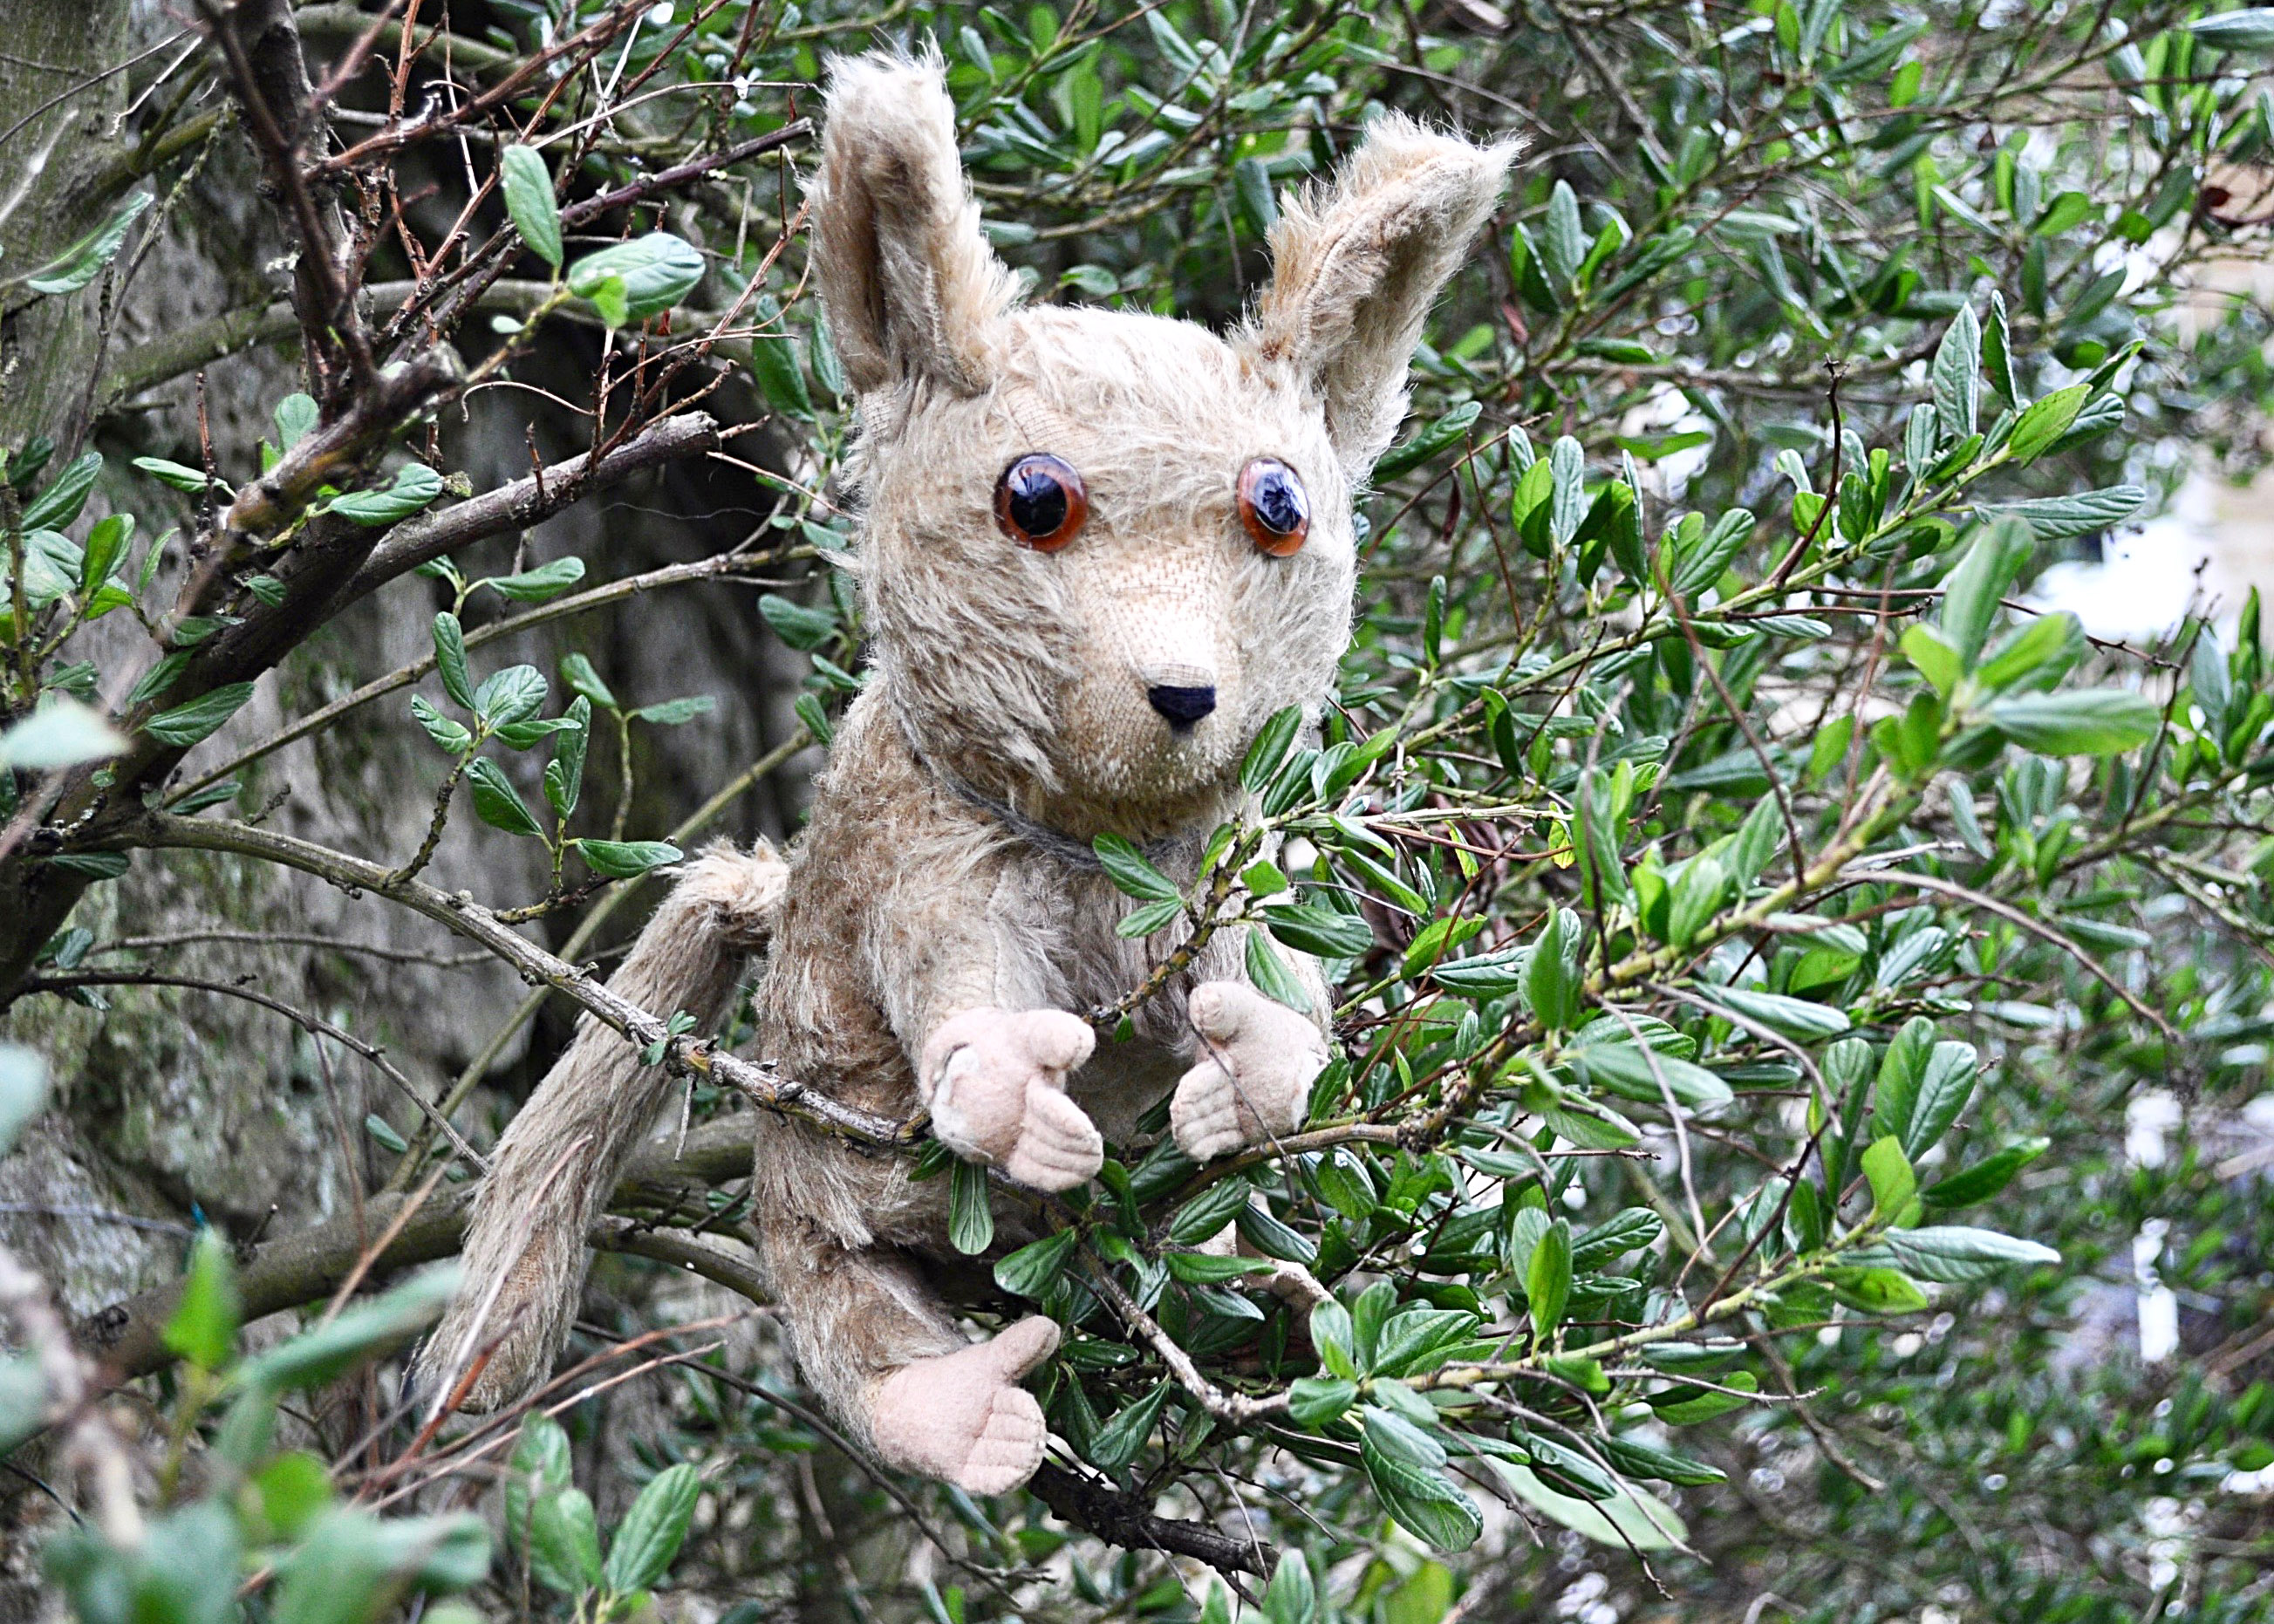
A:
(1040, 503)
(1273, 507)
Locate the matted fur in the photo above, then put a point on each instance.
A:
(1005, 675)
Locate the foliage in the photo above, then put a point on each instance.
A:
(1750, 918)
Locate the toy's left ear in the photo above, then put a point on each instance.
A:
(1356, 266)
(913, 291)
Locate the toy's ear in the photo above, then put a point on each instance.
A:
(911, 287)
(1355, 267)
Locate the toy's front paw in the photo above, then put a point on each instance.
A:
(963, 1418)
(996, 1081)
(1255, 1079)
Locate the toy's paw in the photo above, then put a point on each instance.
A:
(996, 1079)
(962, 1418)
(1254, 1078)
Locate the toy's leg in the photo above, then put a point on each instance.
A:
(874, 1342)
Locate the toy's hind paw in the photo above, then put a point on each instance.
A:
(961, 1417)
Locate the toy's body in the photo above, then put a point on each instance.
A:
(1100, 551)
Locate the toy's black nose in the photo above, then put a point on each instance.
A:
(1183, 706)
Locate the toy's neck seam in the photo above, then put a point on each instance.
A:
(1055, 844)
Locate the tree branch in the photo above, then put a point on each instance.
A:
(527, 502)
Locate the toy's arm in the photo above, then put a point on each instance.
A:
(991, 1057)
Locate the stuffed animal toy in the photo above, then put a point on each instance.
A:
(1100, 550)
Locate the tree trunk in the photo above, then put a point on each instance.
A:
(58, 181)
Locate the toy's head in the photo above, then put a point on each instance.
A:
(1103, 549)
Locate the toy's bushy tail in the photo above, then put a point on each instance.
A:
(559, 1160)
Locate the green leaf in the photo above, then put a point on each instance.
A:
(540, 1465)
(1206, 1213)
(1292, 1596)
(564, 1542)
(1427, 444)
(105, 542)
(1547, 1279)
(577, 672)
(1700, 566)
(1131, 872)
(413, 487)
(628, 860)
(1971, 593)
(1998, 349)
(1893, 1182)
(1955, 1254)
(190, 481)
(187, 724)
(1567, 504)
(1272, 977)
(1956, 375)
(1639, 1074)
(450, 660)
(1563, 236)
(641, 1551)
(295, 416)
(1936, 661)
(1686, 1405)
(672, 712)
(1640, 1458)
(1314, 1400)
(202, 1329)
(1629, 1230)
(80, 263)
(2045, 422)
(1152, 917)
(2089, 722)
(294, 1489)
(1977, 1184)
(496, 802)
(1796, 1018)
(1877, 1290)
(510, 696)
(1119, 1440)
(2038, 655)
(1313, 928)
(1945, 1086)
(971, 1216)
(60, 733)
(1334, 1337)
(656, 271)
(23, 1091)
(1421, 1498)
(1265, 756)
(1031, 1270)
(794, 624)
(774, 363)
(1552, 971)
(1274, 1239)
(564, 774)
(58, 506)
(529, 199)
(546, 582)
(2057, 518)
(2250, 31)
(361, 1332)
(816, 720)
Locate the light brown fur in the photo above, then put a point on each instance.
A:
(928, 950)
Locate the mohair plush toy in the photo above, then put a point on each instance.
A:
(1100, 551)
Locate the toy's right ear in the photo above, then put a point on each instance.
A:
(912, 289)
